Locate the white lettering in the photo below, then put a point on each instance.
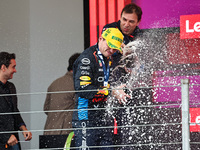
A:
(197, 26)
(187, 27)
(85, 67)
(197, 119)
(85, 73)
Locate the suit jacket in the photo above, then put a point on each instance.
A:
(9, 122)
(60, 101)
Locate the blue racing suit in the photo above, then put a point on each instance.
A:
(88, 74)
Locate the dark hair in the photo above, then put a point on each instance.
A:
(72, 60)
(133, 8)
(5, 58)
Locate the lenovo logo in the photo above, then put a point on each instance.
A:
(190, 26)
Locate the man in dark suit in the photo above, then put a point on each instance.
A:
(9, 123)
(131, 16)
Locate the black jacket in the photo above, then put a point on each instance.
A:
(8, 122)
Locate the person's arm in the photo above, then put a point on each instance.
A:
(119, 93)
(118, 79)
(27, 134)
(47, 102)
(18, 119)
(19, 122)
(21, 125)
(12, 141)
